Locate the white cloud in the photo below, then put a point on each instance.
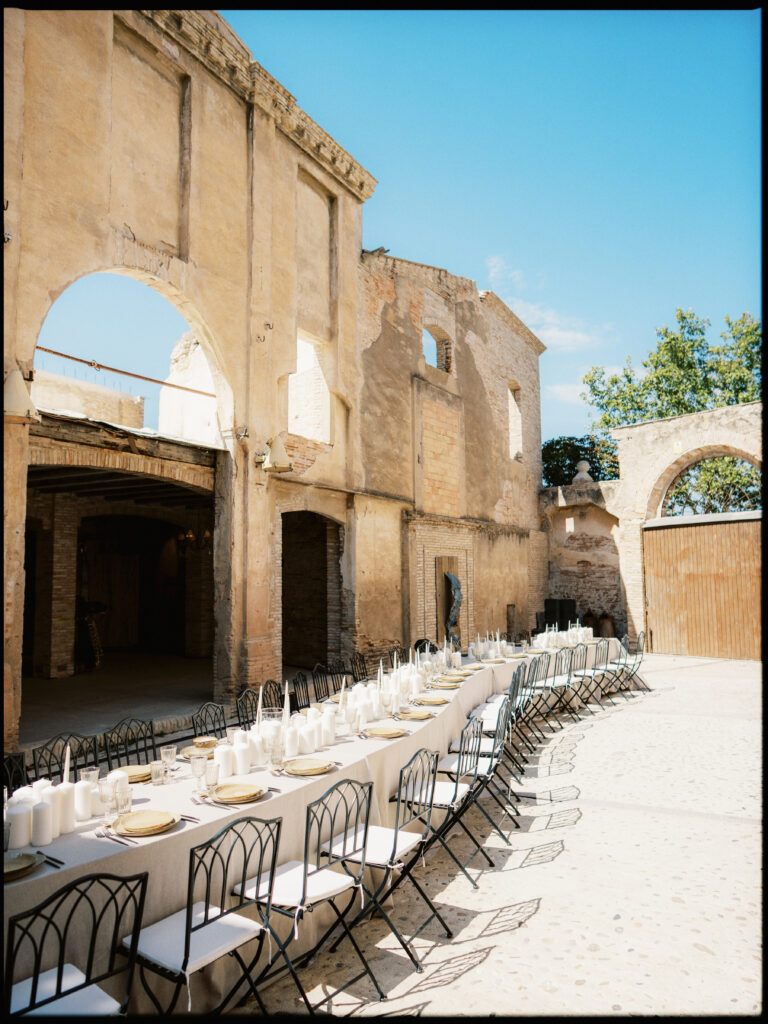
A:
(570, 393)
(499, 272)
(563, 333)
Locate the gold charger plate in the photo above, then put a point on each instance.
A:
(431, 699)
(475, 665)
(510, 656)
(137, 772)
(17, 865)
(144, 823)
(445, 686)
(385, 732)
(185, 753)
(415, 714)
(307, 766)
(238, 793)
(494, 661)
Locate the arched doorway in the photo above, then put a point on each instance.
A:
(311, 577)
(702, 557)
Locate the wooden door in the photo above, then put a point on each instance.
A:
(702, 588)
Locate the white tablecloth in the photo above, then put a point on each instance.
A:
(166, 857)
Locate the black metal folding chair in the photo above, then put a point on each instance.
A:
(320, 682)
(453, 797)
(589, 679)
(210, 719)
(634, 661)
(359, 668)
(213, 924)
(424, 644)
(273, 695)
(336, 674)
(340, 814)
(48, 759)
(14, 771)
(400, 652)
(247, 707)
(108, 909)
(396, 851)
(550, 691)
(301, 691)
(526, 719)
(131, 741)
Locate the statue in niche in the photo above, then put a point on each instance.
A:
(452, 616)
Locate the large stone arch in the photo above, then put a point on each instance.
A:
(654, 508)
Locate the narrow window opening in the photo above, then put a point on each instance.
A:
(515, 423)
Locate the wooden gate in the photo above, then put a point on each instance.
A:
(702, 585)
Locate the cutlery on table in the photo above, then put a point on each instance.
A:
(103, 834)
(55, 861)
(189, 817)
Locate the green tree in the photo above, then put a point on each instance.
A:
(560, 455)
(686, 374)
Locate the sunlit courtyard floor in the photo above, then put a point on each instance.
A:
(633, 885)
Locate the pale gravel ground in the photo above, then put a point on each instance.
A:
(632, 888)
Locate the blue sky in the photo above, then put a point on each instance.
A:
(595, 169)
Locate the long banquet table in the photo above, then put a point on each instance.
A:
(166, 857)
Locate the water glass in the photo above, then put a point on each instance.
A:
(198, 763)
(272, 734)
(108, 797)
(211, 775)
(124, 800)
(157, 772)
(168, 755)
(231, 730)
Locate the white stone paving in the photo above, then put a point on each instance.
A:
(633, 887)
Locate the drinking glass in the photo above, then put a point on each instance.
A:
(231, 730)
(386, 701)
(157, 772)
(168, 755)
(124, 800)
(272, 734)
(198, 764)
(108, 797)
(211, 776)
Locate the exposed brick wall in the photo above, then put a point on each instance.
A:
(305, 589)
(333, 587)
(198, 604)
(57, 562)
(440, 453)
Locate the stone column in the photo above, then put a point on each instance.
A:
(631, 571)
(55, 598)
(198, 604)
(15, 456)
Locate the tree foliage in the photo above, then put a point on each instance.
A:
(560, 455)
(686, 374)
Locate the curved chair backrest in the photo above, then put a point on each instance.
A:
(340, 814)
(272, 695)
(640, 647)
(425, 644)
(601, 653)
(301, 691)
(243, 851)
(48, 759)
(502, 726)
(561, 665)
(402, 655)
(320, 682)
(359, 668)
(537, 671)
(469, 751)
(516, 684)
(247, 706)
(579, 658)
(14, 771)
(415, 793)
(337, 670)
(107, 908)
(210, 719)
(131, 741)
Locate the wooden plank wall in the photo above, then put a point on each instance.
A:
(702, 587)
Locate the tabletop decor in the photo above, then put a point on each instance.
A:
(144, 823)
(308, 766)
(141, 772)
(414, 714)
(17, 865)
(384, 732)
(238, 793)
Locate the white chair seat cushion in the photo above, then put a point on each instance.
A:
(588, 671)
(486, 745)
(497, 698)
(87, 1002)
(451, 762)
(289, 880)
(378, 848)
(556, 681)
(447, 793)
(163, 942)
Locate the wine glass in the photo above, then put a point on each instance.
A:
(168, 757)
(197, 765)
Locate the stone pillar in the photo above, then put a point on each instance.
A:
(15, 456)
(57, 587)
(333, 584)
(198, 603)
(631, 571)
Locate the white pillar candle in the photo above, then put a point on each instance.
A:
(51, 796)
(241, 738)
(121, 779)
(223, 756)
(327, 731)
(40, 785)
(20, 817)
(364, 715)
(97, 807)
(306, 737)
(25, 795)
(242, 758)
(65, 773)
(82, 800)
(291, 740)
(314, 714)
(66, 807)
(42, 824)
(256, 747)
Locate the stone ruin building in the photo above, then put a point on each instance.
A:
(337, 476)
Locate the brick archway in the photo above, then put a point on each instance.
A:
(690, 458)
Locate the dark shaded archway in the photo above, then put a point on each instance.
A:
(311, 589)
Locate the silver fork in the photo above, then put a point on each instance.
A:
(124, 841)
